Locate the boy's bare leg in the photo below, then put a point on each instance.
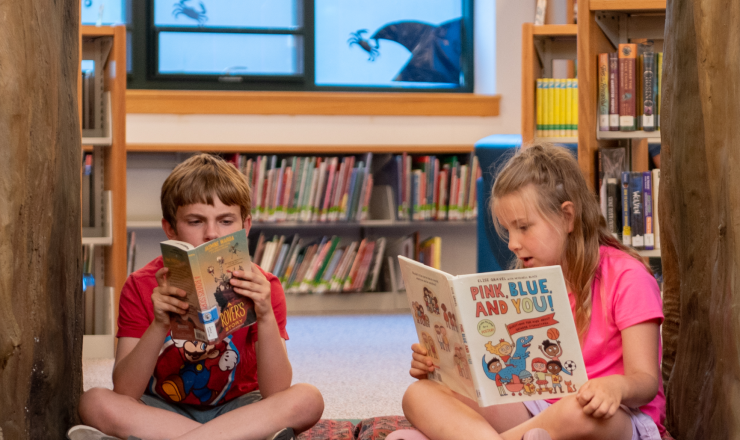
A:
(298, 407)
(442, 414)
(120, 416)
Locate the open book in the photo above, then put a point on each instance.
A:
(497, 337)
(204, 272)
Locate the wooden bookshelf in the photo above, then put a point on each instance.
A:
(626, 6)
(111, 158)
(540, 45)
(592, 40)
(311, 103)
(323, 149)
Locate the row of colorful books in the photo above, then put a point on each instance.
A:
(308, 188)
(629, 200)
(629, 88)
(631, 208)
(432, 187)
(557, 107)
(321, 265)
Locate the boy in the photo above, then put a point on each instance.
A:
(163, 388)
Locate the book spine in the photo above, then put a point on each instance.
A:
(648, 78)
(647, 194)
(557, 106)
(603, 92)
(569, 90)
(636, 207)
(626, 218)
(627, 60)
(612, 207)
(208, 316)
(539, 112)
(659, 93)
(613, 92)
(575, 106)
(656, 217)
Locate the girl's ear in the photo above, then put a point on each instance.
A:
(569, 215)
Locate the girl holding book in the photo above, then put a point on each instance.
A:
(542, 206)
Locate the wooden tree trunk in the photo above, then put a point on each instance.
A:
(700, 215)
(40, 229)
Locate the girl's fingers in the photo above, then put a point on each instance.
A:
(421, 358)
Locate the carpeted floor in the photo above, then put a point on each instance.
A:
(359, 362)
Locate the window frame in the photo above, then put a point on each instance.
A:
(144, 44)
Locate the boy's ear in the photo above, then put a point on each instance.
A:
(169, 230)
(248, 223)
(569, 215)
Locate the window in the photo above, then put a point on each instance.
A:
(309, 45)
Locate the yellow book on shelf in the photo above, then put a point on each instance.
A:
(568, 107)
(550, 112)
(561, 108)
(575, 106)
(538, 104)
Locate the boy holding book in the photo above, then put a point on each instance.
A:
(164, 388)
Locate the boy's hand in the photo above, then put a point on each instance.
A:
(165, 301)
(421, 364)
(601, 397)
(254, 285)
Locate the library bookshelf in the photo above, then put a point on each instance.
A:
(150, 164)
(602, 25)
(540, 46)
(105, 46)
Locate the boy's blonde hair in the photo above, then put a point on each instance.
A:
(556, 177)
(198, 180)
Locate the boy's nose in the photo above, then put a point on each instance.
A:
(211, 232)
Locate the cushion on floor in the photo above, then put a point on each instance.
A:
(327, 429)
(378, 428)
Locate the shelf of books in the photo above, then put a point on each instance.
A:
(102, 87)
(330, 226)
(620, 67)
(619, 55)
(549, 104)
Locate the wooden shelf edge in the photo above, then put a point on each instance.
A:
(628, 5)
(97, 31)
(183, 102)
(298, 149)
(555, 30)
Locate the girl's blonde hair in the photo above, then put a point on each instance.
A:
(557, 179)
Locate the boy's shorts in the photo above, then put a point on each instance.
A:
(643, 427)
(202, 414)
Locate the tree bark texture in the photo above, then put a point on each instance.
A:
(40, 226)
(700, 216)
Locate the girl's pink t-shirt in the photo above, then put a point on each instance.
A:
(624, 294)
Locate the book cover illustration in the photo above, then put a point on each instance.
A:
(515, 329)
(204, 273)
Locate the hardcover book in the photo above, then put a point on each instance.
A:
(626, 217)
(637, 211)
(603, 92)
(627, 87)
(203, 272)
(647, 200)
(498, 337)
(613, 92)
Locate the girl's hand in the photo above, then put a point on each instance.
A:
(421, 364)
(601, 397)
(254, 285)
(165, 301)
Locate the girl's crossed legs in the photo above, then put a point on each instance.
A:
(445, 415)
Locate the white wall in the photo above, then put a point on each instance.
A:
(498, 70)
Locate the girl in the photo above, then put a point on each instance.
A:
(542, 206)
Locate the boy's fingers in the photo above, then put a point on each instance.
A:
(161, 276)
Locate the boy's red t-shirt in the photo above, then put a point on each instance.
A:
(191, 372)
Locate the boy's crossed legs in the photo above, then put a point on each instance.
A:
(434, 408)
(299, 407)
